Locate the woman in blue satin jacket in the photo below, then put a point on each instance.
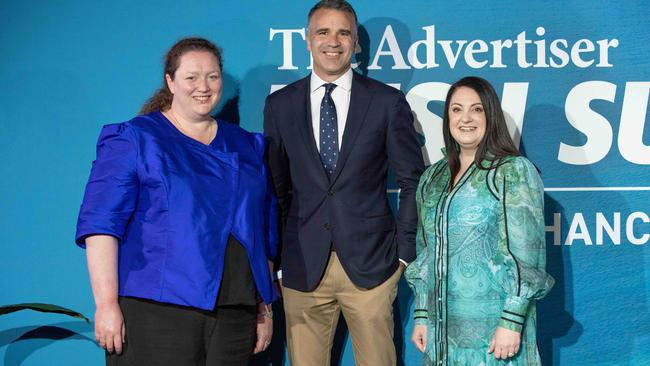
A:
(178, 221)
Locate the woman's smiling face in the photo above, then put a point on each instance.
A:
(196, 85)
(467, 122)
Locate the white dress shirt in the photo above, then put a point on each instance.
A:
(341, 98)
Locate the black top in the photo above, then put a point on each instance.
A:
(237, 285)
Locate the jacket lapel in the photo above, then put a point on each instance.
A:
(360, 98)
(303, 116)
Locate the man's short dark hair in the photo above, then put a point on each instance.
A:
(340, 5)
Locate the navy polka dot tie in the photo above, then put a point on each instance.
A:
(329, 134)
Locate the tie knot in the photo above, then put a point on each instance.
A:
(329, 87)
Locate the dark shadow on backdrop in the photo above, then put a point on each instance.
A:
(554, 312)
(436, 107)
(554, 320)
(23, 341)
(402, 315)
(255, 86)
(228, 107)
(340, 338)
(611, 303)
(363, 57)
(387, 74)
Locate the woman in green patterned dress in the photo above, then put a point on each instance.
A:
(480, 241)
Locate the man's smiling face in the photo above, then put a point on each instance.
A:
(332, 40)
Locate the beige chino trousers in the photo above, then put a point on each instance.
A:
(312, 317)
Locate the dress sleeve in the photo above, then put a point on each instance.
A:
(522, 241)
(416, 275)
(112, 190)
(270, 203)
(417, 272)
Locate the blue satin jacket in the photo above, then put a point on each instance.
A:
(172, 201)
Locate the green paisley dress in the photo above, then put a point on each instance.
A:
(480, 261)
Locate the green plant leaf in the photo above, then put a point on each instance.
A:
(45, 308)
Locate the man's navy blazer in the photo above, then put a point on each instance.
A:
(348, 212)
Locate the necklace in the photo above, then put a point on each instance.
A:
(211, 131)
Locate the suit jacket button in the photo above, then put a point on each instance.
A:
(326, 226)
(330, 192)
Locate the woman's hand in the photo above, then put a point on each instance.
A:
(101, 251)
(505, 343)
(109, 327)
(264, 328)
(419, 337)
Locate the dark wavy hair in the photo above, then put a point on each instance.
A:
(496, 142)
(162, 98)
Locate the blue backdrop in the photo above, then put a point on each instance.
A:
(574, 77)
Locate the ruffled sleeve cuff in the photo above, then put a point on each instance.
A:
(420, 312)
(514, 313)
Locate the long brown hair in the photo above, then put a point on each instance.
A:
(162, 98)
(496, 142)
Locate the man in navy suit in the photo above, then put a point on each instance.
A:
(332, 136)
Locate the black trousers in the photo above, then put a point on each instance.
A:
(165, 334)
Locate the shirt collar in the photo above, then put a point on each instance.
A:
(344, 81)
